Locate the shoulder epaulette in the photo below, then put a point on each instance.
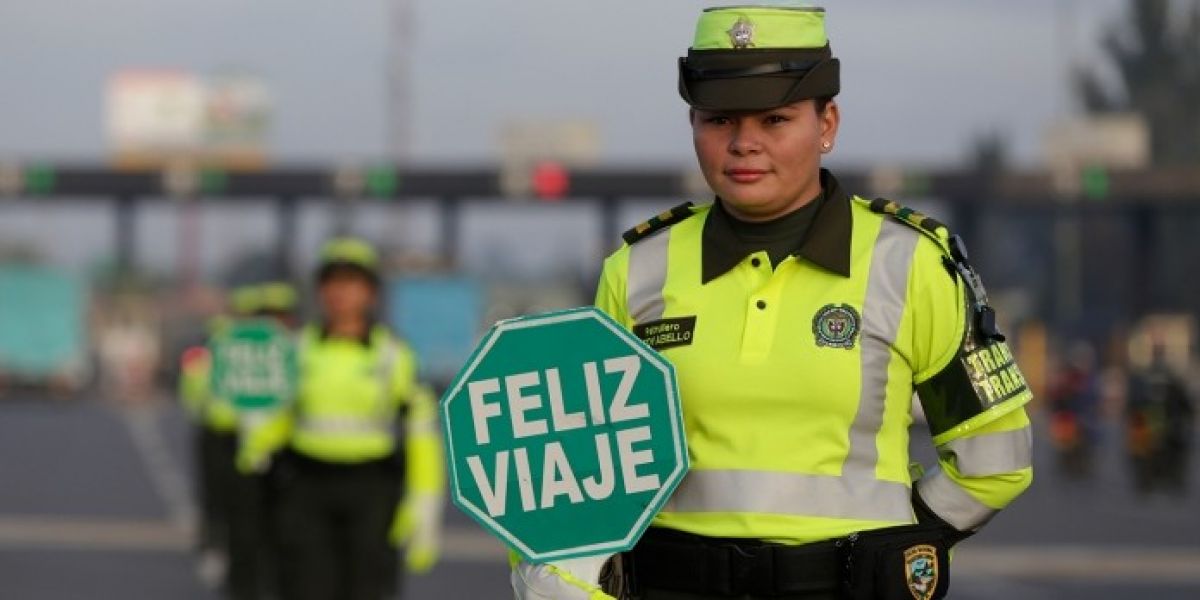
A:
(927, 225)
(956, 259)
(935, 230)
(658, 222)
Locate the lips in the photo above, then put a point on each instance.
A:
(746, 175)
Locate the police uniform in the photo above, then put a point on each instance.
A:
(214, 448)
(215, 443)
(797, 359)
(232, 503)
(359, 441)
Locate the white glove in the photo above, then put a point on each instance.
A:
(418, 524)
(571, 579)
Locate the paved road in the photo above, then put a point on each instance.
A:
(95, 505)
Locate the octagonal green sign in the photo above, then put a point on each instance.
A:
(254, 364)
(564, 435)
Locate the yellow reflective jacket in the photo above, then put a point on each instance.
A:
(797, 380)
(352, 398)
(195, 391)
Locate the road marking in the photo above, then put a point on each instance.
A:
(967, 587)
(472, 545)
(1125, 563)
(84, 533)
(165, 474)
(88, 533)
(1113, 563)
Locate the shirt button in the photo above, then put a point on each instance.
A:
(754, 262)
(761, 304)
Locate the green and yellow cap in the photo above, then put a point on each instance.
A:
(758, 58)
(277, 297)
(348, 253)
(245, 300)
(274, 297)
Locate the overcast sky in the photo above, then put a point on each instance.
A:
(920, 77)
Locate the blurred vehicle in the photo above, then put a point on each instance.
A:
(1074, 406)
(43, 334)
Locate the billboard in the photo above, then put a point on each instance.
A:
(155, 117)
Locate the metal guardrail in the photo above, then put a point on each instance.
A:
(1142, 195)
(48, 180)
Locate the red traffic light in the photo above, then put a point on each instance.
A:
(550, 181)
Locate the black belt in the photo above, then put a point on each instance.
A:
(680, 562)
(307, 464)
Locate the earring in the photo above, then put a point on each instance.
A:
(826, 145)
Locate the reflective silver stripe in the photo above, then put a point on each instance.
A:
(883, 308)
(418, 427)
(781, 493)
(385, 368)
(990, 454)
(344, 426)
(856, 494)
(952, 503)
(647, 276)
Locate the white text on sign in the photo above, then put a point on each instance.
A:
(254, 369)
(532, 391)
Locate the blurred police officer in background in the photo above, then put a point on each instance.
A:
(1159, 419)
(810, 316)
(233, 530)
(357, 463)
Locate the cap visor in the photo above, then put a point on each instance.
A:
(742, 94)
(763, 92)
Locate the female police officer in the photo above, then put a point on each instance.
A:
(813, 315)
(359, 423)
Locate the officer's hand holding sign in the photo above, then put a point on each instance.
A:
(564, 438)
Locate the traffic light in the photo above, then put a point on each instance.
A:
(39, 179)
(551, 181)
(213, 181)
(382, 182)
(1095, 183)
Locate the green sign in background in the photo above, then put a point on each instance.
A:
(647, 432)
(254, 364)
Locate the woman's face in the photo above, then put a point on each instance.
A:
(764, 164)
(346, 295)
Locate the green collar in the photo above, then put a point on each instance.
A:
(825, 243)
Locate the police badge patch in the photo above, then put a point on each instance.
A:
(836, 326)
(921, 571)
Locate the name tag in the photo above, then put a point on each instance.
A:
(667, 333)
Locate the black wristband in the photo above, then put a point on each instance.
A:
(926, 516)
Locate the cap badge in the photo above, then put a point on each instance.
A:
(741, 35)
